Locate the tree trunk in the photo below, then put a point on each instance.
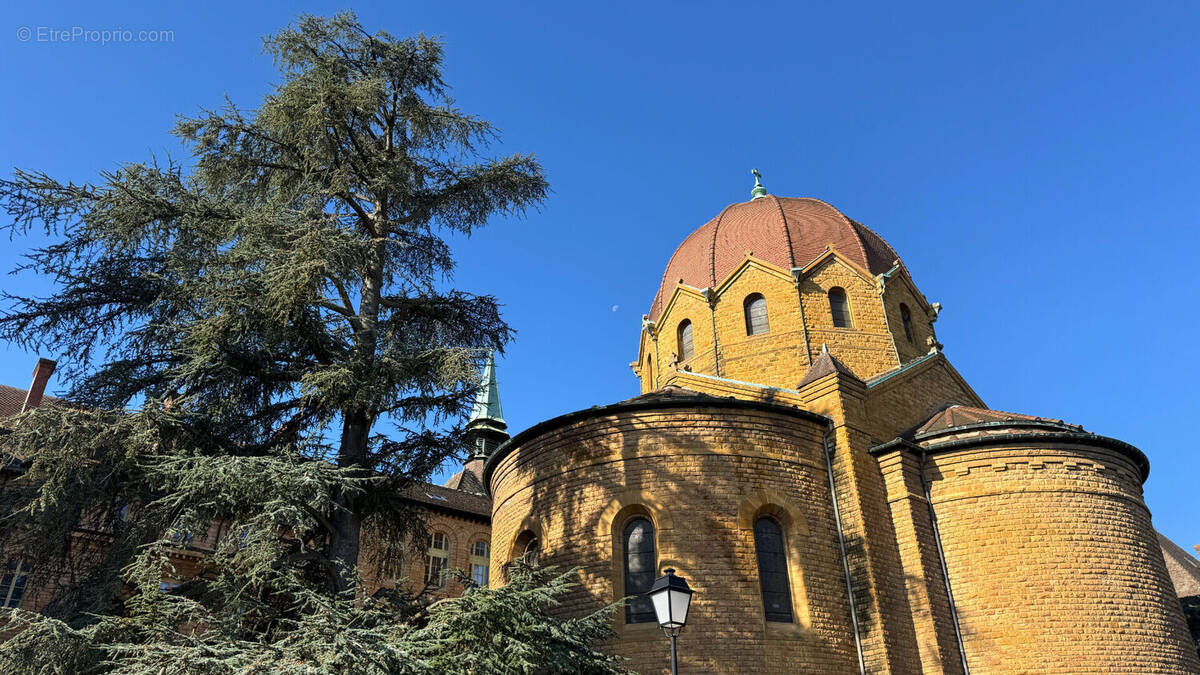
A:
(356, 427)
(347, 523)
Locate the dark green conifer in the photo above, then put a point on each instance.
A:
(265, 338)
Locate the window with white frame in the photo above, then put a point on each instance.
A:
(12, 584)
(480, 560)
(437, 559)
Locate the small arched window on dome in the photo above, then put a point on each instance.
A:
(640, 565)
(772, 570)
(906, 319)
(685, 340)
(839, 307)
(755, 308)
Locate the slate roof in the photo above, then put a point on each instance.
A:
(961, 415)
(466, 481)
(670, 391)
(784, 231)
(1183, 567)
(12, 400)
(457, 502)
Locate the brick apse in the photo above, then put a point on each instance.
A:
(806, 456)
(838, 495)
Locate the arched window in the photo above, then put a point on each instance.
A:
(685, 340)
(906, 318)
(640, 566)
(480, 559)
(839, 306)
(755, 308)
(532, 553)
(526, 548)
(772, 570)
(436, 559)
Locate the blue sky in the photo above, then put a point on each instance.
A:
(1034, 165)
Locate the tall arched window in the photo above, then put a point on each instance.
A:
(906, 318)
(839, 307)
(685, 340)
(755, 308)
(640, 566)
(772, 570)
(436, 559)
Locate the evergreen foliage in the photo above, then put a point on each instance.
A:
(485, 631)
(263, 339)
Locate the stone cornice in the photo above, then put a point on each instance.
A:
(637, 405)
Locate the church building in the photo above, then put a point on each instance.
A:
(804, 454)
(838, 496)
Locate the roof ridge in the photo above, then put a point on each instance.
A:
(1007, 412)
(968, 416)
(858, 237)
(787, 233)
(712, 249)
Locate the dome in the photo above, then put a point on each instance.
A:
(784, 231)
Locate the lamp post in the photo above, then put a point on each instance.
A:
(671, 597)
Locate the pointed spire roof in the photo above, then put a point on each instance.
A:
(487, 401)
(826, 364)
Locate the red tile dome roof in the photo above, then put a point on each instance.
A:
(784, 231)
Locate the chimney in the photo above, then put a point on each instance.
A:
(41, 374)
(1197, 547)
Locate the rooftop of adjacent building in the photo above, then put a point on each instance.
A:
(462, 495)
(1183, 567)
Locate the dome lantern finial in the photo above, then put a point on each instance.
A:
(759, 190)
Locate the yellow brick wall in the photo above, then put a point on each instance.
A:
(460, 533)
(867, 347)
(688, 306)
(920, 564)
(800, 322)
(777, 358)
(701, 474)
(913, 395)
(898, 291)
(1054, 563)
(885, 618)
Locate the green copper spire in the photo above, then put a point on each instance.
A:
(487, 401)
(759, 190)
(486, 429)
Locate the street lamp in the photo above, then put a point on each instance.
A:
(671, 597)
